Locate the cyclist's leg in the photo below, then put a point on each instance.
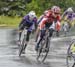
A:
(27, 39)
(50, 34)
(21, 28)
(73, 65)
(69, 23)
(20, 32)
(41, 37)
(57, 33)
(37, 33)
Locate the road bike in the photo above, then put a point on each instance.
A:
(44, 46)
(70, 60)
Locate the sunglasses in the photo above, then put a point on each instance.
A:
(56, 13)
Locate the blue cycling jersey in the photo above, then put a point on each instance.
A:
(70, 15)
(28, 23)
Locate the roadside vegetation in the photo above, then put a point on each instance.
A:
(10, 21)
(12, 11)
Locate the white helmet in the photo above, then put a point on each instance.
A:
(56, 9)
(70, 9)
(32, 14)
(46, 11)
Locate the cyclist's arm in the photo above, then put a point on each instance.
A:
(42, 23)
(64, 14)
(35, 22)
(58, 19)
(27, 19)
(58, 25)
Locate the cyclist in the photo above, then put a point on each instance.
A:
(65, 27)
(38, 21)
(27, 22)
(51, 16)
(68, 14)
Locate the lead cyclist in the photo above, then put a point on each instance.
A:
(51, 16)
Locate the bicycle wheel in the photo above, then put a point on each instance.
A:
(22, 47)
(43, 50)
(70, 60)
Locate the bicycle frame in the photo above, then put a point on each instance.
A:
(22, 46)
(44, 45)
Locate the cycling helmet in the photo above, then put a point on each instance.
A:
(32, 14)
(55, 9)
(46, 11)
(69, 9)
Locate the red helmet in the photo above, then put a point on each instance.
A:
(56, 9)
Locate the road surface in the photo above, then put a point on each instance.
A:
(9, 51)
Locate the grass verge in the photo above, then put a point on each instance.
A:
(6, 21)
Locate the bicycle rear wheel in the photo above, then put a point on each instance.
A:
(43, 50)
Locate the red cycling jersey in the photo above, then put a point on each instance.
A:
(49, 18)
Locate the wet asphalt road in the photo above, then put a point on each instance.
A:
(9, 51)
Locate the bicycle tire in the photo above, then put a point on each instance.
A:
(40, 51)
(69, 61)
(70, 58)
(21, 47)
(48, 43)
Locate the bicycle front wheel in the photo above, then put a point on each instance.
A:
(21, 48)
(70, 61)
(43, 50)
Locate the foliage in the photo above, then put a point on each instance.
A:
(21, 7)
(9, 9)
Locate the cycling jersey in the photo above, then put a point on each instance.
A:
(69, 15)
(47, 21)
(26, 22)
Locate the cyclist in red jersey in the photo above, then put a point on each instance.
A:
(51, 16)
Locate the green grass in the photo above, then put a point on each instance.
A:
(9, 21)
(14, 21)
